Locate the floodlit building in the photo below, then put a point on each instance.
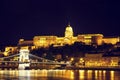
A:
(46, 41)
(68, 38)
(25, 44)
(9, 50)
(90, 38)
(98, 60)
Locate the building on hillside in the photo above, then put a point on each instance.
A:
(99, 60)
(112, 40)
(68, 38)
(46, 41)
(10, 50)
(90, 38)
(25, 44)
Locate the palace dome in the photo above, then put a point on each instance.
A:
(69, 28)
(69, 31)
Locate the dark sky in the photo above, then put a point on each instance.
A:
(27, 18)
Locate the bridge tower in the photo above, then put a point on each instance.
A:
(24, 61)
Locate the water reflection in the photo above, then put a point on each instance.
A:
(59, 74)
(81, 74)
(112, 75)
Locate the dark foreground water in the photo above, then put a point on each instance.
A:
(59, 75)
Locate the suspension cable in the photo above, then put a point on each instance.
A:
(9, 56)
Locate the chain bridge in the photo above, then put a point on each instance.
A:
(24, 59)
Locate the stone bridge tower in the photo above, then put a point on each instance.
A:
(24, 61)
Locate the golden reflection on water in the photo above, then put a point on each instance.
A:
(104, 75)
(112, 75)
(89, 74)
(96, 74)
(59, 74)
(68, 74)
(81, 74)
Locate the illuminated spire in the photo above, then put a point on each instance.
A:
(68, 23)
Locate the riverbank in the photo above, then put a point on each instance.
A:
(116, 68)
(94, 68)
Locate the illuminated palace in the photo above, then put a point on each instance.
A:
(69, 38)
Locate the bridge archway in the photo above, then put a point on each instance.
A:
(24, 61)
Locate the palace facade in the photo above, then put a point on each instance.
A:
(68, 38)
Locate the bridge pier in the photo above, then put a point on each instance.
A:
(24, 62)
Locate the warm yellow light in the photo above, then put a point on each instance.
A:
(89, 73)
(104, 74)
(69, 31)
(112, 75)
(72, 59)
(82, 74)
(96, 74)
(81, 59)
(5, 53)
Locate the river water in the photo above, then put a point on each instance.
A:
(59, 75)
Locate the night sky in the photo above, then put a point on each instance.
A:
(28, 18)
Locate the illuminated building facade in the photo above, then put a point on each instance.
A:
(46, 41)
(99, 60)
(9, 50)
(69, 38)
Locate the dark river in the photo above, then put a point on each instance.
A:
(59, 75)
